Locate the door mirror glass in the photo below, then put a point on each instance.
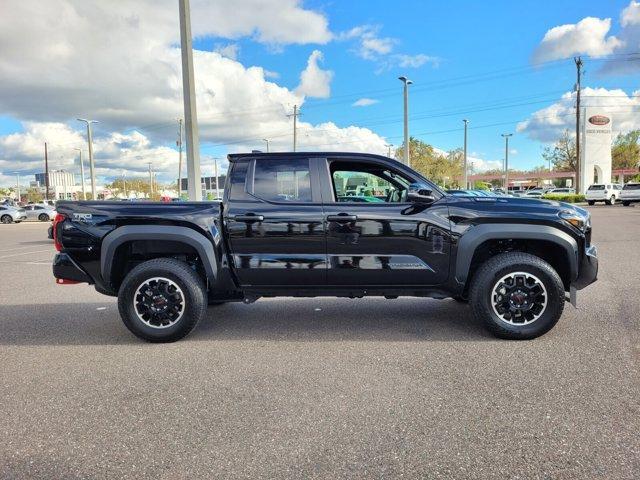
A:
(420, 193)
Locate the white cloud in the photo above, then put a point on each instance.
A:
(588, 36)
(415, 61)
(630, 15)
(230, 50)
(271, 74)
(314, 81)
(547, 124)
(373, 47)
(364, 102)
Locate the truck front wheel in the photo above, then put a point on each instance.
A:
(517, 296)
(162, 300)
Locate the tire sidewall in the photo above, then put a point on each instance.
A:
(193, 305)
(553, 309)
(6, 219)
(43, 217)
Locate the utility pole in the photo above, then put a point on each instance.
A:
(190, 114)
(466, 170)
(506, 161)
(84, 191)
(406, 83)
(388, 145)
(267, 141)
(179, 142)
(18, 187)
(215, 172)
(578, 62)
(295, 126)
(91, 168)
(46, 173)
(124, 183)
(150, 180)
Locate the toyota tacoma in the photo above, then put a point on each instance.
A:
(293, 224)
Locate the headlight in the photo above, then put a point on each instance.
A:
(581, 222)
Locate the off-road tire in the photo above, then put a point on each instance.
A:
(626, 204)
(193, 289)
(484, 280)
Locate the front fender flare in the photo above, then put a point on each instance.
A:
(127, 233)
(479, 234)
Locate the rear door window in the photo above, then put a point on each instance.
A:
(282, 180)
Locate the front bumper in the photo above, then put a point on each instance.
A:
(64, 268)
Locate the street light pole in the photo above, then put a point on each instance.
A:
(84, 191)
(215, 172)
(406, 83)
(190, 114)
(466, 169)
(150, 180)
(18, 187)
(388, 145)
(91, 166)
(506, 161)
(267, 141)
(179, 142)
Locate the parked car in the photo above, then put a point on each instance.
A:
(9, 214)
(534, 193)
(630, 194)
(44, 213)
(513, 260)
(600, 192)
(565, 190)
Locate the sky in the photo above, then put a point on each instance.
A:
(506, 68)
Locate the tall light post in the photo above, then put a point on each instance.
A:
(266, 140)
(91, 166)
(215, 172)
(84, 191)
(406, 83)
(506, 161)
(17, 187)
(190, 114)
(124, 183)
(388, 145)
(150, 180)
(466, 169)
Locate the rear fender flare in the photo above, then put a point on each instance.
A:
(121, 235)
(479, 234)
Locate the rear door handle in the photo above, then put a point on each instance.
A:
(249, 217)
(342, 217)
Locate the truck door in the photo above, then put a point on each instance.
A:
(374, 236)
(274, 221)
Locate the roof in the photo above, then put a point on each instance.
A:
(237, 156)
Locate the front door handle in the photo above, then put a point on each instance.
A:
(342, 217)
(249, 217)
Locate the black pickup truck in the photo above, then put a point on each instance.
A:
(328, 224)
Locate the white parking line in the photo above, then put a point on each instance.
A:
(14, 249)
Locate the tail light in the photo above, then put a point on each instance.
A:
(56, 241)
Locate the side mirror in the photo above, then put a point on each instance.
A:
(420, 193)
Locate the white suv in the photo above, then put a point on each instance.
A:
(600, 192)
(630, 193)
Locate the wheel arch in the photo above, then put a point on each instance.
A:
(156, 233)
(534, 238)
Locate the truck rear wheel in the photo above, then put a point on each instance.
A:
(162, 300)
(591, 202)
(517, 296)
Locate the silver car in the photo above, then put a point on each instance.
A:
(9, 214)
(42, 212)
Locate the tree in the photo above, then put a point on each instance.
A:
(138, 185)
(34, 195)
(441, 168)
(563, 153)
(625, 152)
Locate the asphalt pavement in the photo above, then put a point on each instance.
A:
(318, 388)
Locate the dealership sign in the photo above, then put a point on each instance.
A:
(599, 120)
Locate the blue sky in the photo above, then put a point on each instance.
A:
(467, 59)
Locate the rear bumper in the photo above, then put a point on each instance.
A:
(588, 272)
(64, 268)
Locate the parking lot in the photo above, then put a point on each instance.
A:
(310, 388)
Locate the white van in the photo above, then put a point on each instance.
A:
(601, 192)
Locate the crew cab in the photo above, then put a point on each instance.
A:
(599, 192)
(290, 224)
